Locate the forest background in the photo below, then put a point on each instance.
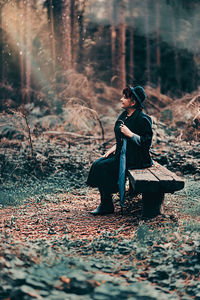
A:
(63, 65)
(152, 43)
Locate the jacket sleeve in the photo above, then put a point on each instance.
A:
(144, 139)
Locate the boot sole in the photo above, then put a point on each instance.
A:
(101, 213)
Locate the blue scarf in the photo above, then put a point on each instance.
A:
(122, 163)
(122, 172)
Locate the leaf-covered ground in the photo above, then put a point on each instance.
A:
(52, 248)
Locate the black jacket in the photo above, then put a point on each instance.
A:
(137, 154)
(104, 172)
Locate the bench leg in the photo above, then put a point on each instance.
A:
(131, 191)
(152, 204)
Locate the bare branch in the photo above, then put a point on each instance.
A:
(73, 134)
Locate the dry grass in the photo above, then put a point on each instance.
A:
(155, 97)
(83, 118)
(74, 85)
(184, 111)
(108, 93)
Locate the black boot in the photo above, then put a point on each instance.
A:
(106, 206)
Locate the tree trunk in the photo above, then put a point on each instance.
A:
(158, 44)
(5, 64)
(1, 46)
(131, 45)
(113, 36)
(52, 36)
(121, 61)
(176, 59)
(196, 51)
(2, 96)
(131, 54)
(81, 40)
(113, 48)
(148, 60)
(74, 34)
(67, 40)
(20, 5)
(28, 47)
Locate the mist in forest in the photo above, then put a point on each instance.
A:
(119, 42)
(181, 20)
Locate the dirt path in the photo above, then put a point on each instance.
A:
(68, 213)
(52, 247)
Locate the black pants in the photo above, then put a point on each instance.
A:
(104, 174)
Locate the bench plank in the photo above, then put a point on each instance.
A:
(167, 172)
(143, 180)
(154, 179)
(169, 182)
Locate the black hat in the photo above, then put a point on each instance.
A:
(139, 94)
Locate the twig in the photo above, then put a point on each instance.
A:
(29, 135)
(101, 126)
(4, 162)
(14, 170)
(72, 134)
(22, 112)
(191, 101)
(107, 142)
(154, 105)
(97, 117)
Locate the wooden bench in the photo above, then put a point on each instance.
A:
(153, 183)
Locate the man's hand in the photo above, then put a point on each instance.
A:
(126, 131)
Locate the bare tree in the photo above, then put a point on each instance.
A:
(20, 6)
(131, 45)
(1, 45)
(74, 33)
(66, 34)
(81, 5)
(174, 34)
(148, 61)
(28, 49)
(121, 40)
(113, 38)
(158, 44)
(52, 35)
